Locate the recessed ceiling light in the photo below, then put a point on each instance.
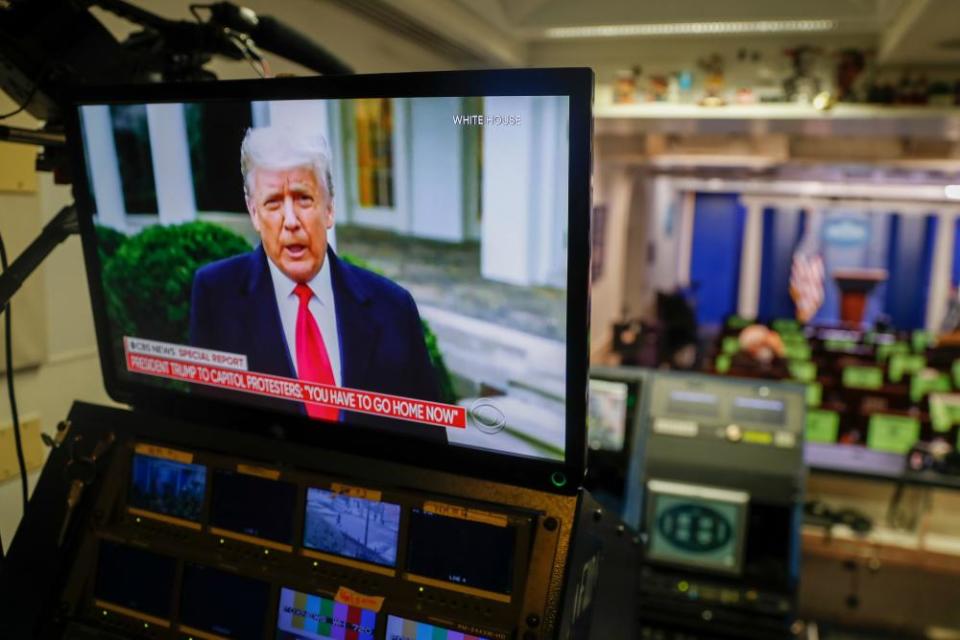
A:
(691, 28)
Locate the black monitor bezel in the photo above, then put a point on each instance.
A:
(555, 476)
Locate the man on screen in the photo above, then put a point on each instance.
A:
(291, 305)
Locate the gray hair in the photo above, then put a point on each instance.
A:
(284, 148)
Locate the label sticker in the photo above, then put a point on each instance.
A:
(351, 598)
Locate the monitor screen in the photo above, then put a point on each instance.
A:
(701, 404)
(411, 265)
(351, 527)
(304, 616)
(696, 526)
(436, 552)
(403, 629)
(167, 489)
(223, 605)
(134, 582)
(248, 506)
(608, 414)
(765, 411)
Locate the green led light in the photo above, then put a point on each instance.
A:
(558, 479)
(683, 586)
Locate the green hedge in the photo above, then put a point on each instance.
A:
(148, 280)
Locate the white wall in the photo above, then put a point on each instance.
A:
(613, 188)
(71, 368)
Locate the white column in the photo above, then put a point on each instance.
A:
(436, 149)
(103, 166)
(688, 203)
(751, 254)
(506, 228)
(172, 172)
(941, 269)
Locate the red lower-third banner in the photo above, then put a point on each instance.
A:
(380, 404)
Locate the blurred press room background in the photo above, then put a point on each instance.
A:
(751, 159)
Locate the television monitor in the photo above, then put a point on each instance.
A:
(610, 407)
(696, 526)
(394, 265)
(349, 526)
(437, 556)
(305, 616)
(252, 508)
(165, 485)
(135, 583)
(399, 628)
(217, 604)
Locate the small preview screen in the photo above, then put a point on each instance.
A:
(167, 487)
(304, 616)
(213, 602)
(351, 527)
(253, 506)
(134, 581)
(403, 629)
(470, 553)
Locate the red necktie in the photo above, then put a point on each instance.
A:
(313, 363)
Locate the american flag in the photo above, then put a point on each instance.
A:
(806, 284)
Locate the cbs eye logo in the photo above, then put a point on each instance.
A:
(694, 528)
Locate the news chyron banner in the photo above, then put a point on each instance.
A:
(229, 371)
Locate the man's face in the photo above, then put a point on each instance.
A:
(292, 213)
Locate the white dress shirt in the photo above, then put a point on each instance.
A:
(321, 305)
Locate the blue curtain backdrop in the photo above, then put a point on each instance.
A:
(782, 231)
(955, 273)
(910, 258)
(903, 245)
(718, 221)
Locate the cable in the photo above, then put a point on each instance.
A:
(24, 104)
(8, 343)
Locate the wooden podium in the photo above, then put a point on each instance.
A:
(855, 285)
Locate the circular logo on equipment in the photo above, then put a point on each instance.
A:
(694, 528)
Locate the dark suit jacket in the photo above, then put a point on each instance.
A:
(233, 308)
